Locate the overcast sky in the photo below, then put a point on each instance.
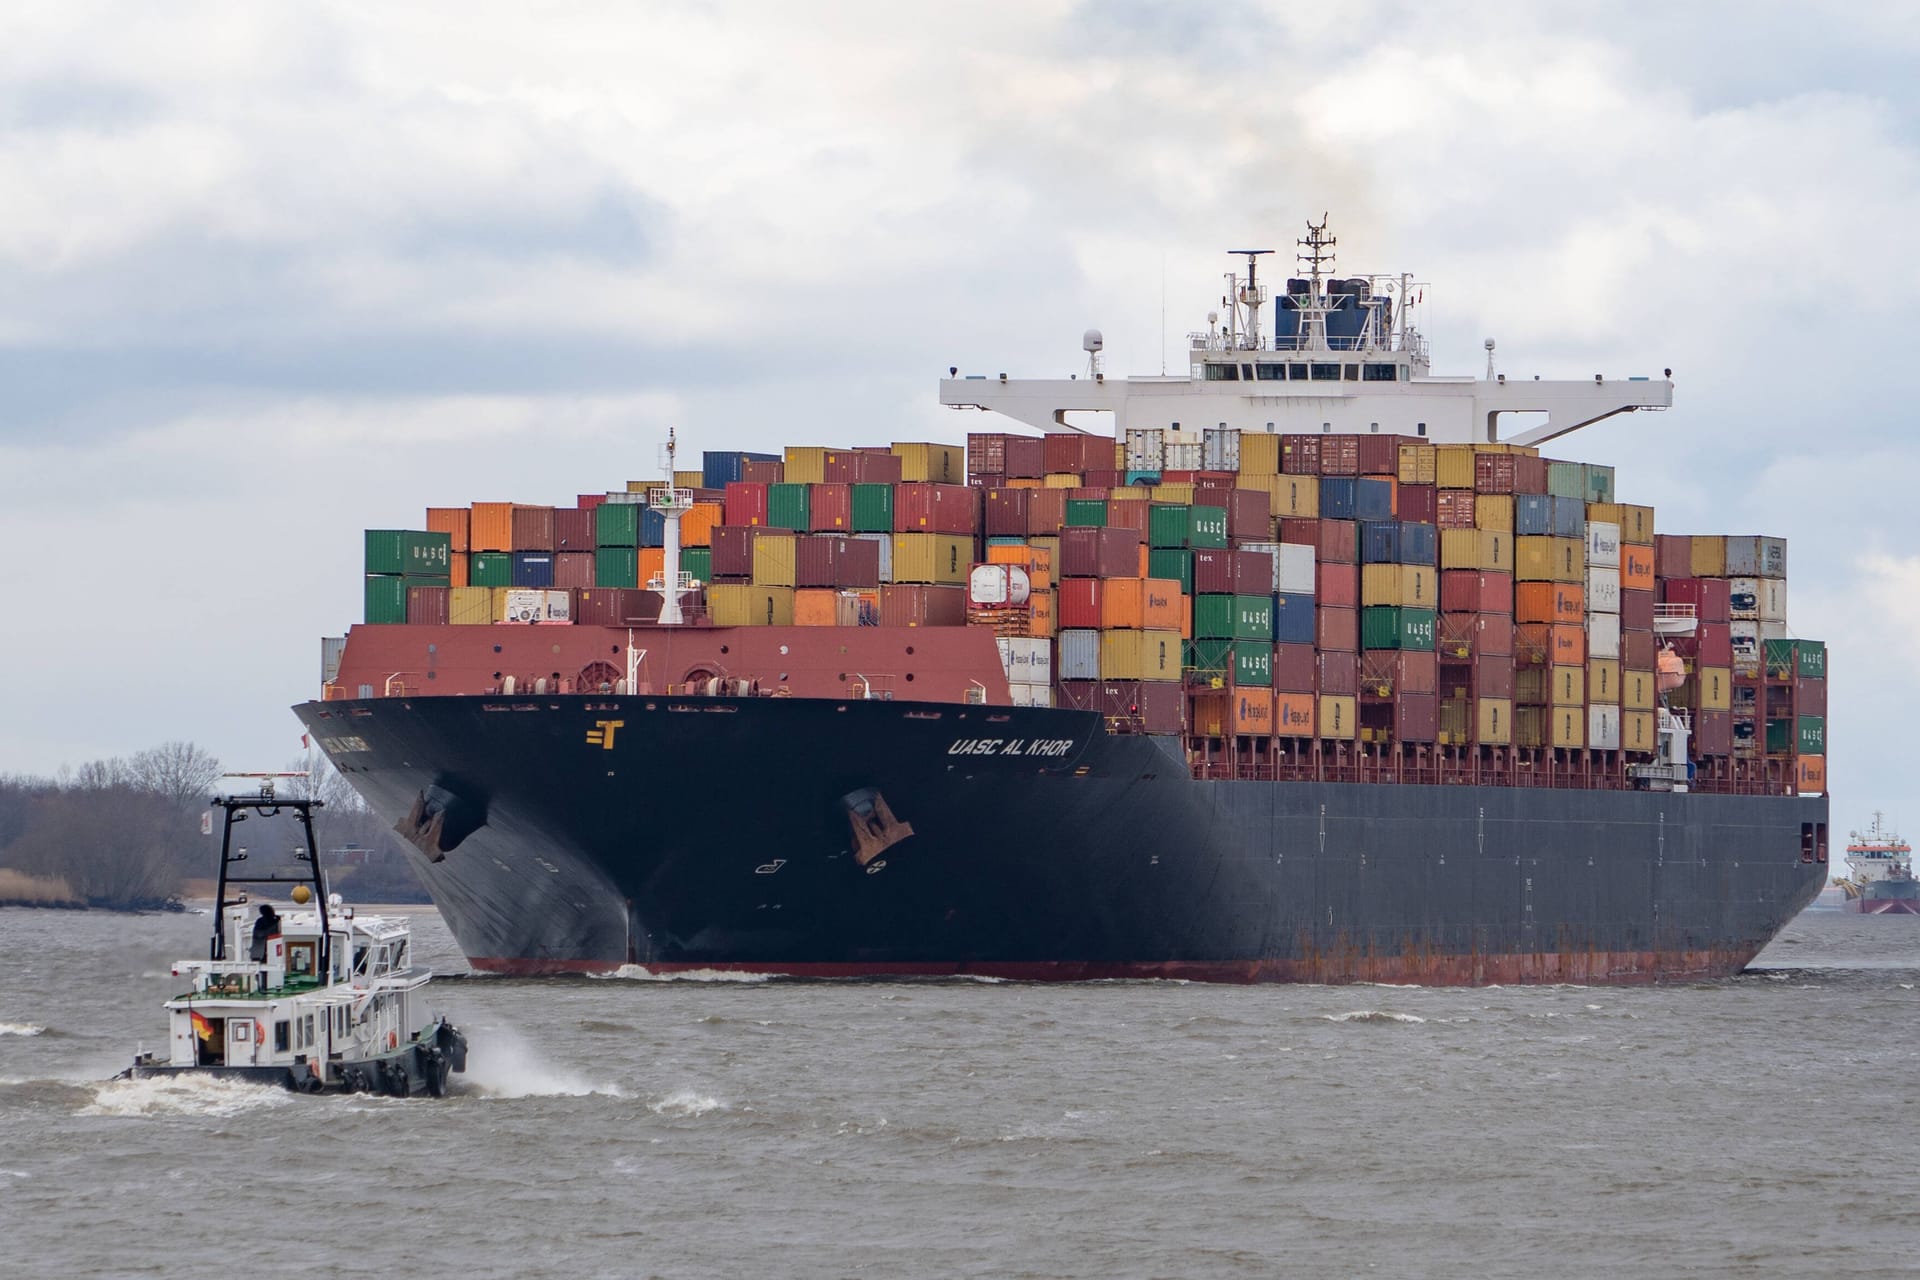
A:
(271, 275)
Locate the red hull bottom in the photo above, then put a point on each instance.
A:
(1884, 906)
(1610, 968)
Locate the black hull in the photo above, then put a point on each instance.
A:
(715, 833)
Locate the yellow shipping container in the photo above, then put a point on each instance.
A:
(1494, 722)
(1549, 727)
(1338, 717)
(1637, 731)
(1182, 493)
(1716, 688)
(1493, 511)
(939, 463)
(1568, 727)
(1130, 493)
(1636, 525)
(1603, 680)
(1296, 497)
(689, 479)
(641, 486)
(1487, 550)
(471, 606)
(1411, 586)
(1453, 466)
(1119, 455)
(1062, 480)
(1139, 655)
(774, 559)
(740, 604)
(1709, 556)
(806, 464)
(1636, 690)
(1259, 454)
(1417, 464)
(1569, 686)
(1604, 512)
(931, 557)
(1533, 559)
(1456, 718)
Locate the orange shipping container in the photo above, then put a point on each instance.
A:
(1636, 567)
(1040, 611)
(1293, 715)
(1810, 775)
(1250, 712)
(653, 563)
(696, 527)
(457, 568)
(1548, 602)
(1141, 604)
(452, 521)
(491, 527)
(814, 606)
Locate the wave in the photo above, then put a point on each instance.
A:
(183, 1095)
(640, 973)
(685, 1103)
(504, 1066)
(21, 1029)
(1374, 1015)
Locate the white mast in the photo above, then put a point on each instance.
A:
(671, 502)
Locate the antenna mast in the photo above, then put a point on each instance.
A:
(1316, 257)
(1249, 297)
(671, 502)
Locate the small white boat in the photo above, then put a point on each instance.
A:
(304, 993)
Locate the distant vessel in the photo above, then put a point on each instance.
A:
(1881, 882)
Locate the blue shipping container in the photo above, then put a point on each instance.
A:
(1379, 542)
(1532, 515)
(718, 470)
(1337, 497)
(533, 568)
(1419, 543)
(1373, 499)
(653, 527)
(1569, 518)
(1292, 619)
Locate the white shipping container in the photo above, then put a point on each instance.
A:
(1603, 590)
(1146, 448)
(1603, 727)
(332, 650)
(529, 605)
(1220, 448)
(886, 552)
(1042, 664)
(1603, 543)
(1184, 457)
(990, 585)
(1773, 600)
(1296, 576)
(1771, 630)
(1031, 695)
(1079, 655)
(1603, 635)
(1746, 646)
(1025, 659)
(1743, 597)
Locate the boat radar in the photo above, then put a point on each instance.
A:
(1344, 358)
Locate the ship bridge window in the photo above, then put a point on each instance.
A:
(1379, 373)
(1270, 372)
(1324, 372)
(1223, 373)
(1296, 373)
(1351, 372)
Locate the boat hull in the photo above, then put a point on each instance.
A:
(825, 838)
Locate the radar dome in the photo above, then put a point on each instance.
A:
(301, 893)
(1092, 341)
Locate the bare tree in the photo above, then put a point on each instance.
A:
(112, 846)
(179, 772)
(98, 775)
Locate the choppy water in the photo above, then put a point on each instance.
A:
(1760, 1126)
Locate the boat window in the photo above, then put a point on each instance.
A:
(1379, 373)
(1296, 373)
(1270, 372)
(1420, 427)
(1406, 373)
(1351, 372)
(282, 1036)
(1325, 372)
(1223, 373)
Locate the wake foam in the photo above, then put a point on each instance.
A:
(640, 973)
(184, 1095)
(685, 1103)
(21, 1029)
(1374, 1015)
(502, 1065)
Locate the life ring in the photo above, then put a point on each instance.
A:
(393, 1039)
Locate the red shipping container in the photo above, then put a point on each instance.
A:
(1672, 555)
(1416, 717)
(828, 560)
(1213, 571)
(1252, 573)
(1157, 706)
(862, 467)
(1100, 553)
(1712, 644)
(1380, 455)
(1078, 452)
(1453, 509)
(1471, 591)
(1417, 502)
(1493, 473)
(615, 607)
(1529, 474)
(1249, 515)
(1046, 512)
(1339, 541)
(1638, 649)
(1339, 672)
(1128, 514)
(1710, 597)
(573, 569)
(1337, 585)
(1299, 455)
(1089, 493)
(1340, 456)
(746, 503)
(586, 502)
(1398, 671)
(1210, 490)
(1180, 477)
(1810, 697)
(1077, 602)
(921, 507)
(830, 506)
(1493, 675)
(532, 528)
(1105, 478)
(1336, 630)
(1026, 458)
(1465, 635)
(428, 606)
(1294, 668)
(919, 605)
(1636, 610)
(1713, 733)
(773, 471)
(986, 454)
(1007, 512)
(573, 530)
(1080, 695)
(733, 550)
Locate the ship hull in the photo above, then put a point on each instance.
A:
(825, 838)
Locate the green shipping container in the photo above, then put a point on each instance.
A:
(873, 508)
(1786, 659)
(1253, 663)
(1384, 627)
(1568, 480)
(408, 551)
(616, 567)
(1213, 617)
(490, 569)
(697, 563)
(386, 597)
(1209, 655)
(1253, 619)
(1086, 513)
(787, 507)
(615, 524)
(1599, 483)
(1209, 527)
(1169, 525)
(1172, 564)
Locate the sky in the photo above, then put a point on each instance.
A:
(272, 275)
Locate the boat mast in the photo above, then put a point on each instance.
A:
(268, 805)
(1316, 256)
(671, 502)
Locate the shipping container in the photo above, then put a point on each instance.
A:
(1336, 630)
(490, 528)
(490, 569)
(936, 508)
(1397, 628)
(1338, 717)
(532, 529)
(1493, 722)
(720, 469)
(1097, 553)
(1401, 585)
(733, 550)
(826, 560)
(1140, 604)
(750, 604)
(533, 569)
(470, 606)
(1293, 619)
(1755, 557)
(455, 522)
(405, 551)
(774, 556)
(933, 557)
(1139, 655)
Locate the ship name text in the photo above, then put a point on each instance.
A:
(1011, 747)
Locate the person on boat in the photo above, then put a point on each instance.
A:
(267, 926)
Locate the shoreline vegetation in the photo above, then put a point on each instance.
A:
(124, 834)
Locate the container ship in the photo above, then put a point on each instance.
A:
(1879, 879)
(1290, 667)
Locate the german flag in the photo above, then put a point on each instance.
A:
(201, 1027)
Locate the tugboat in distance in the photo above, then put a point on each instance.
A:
(1880, 865)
